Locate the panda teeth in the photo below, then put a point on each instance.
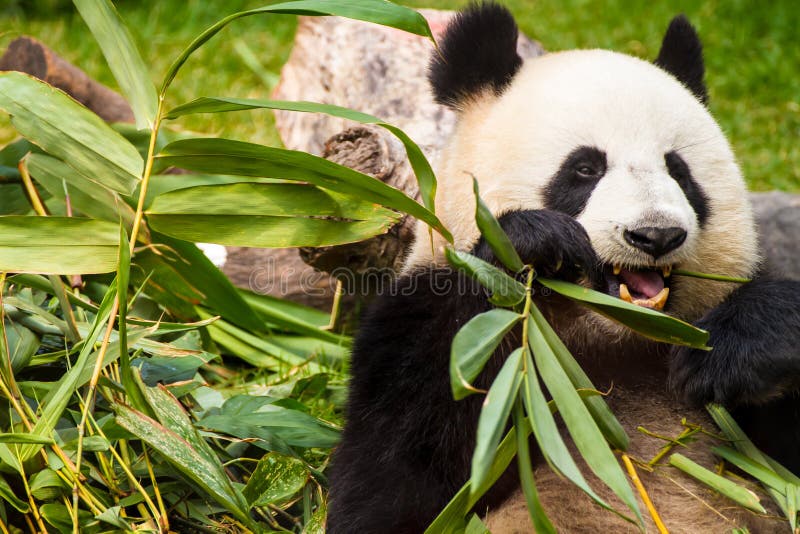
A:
(624, 294)
(654, 303)
(666, 271)
(617, 269)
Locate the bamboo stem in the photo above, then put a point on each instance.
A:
(643, 492)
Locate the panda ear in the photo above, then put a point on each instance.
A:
(681, 55)
(478, 52)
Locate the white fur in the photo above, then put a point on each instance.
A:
(633, 111)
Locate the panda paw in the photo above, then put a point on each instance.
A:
(553, 242)
(754, 358)
(699, 377)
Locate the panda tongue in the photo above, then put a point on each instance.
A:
(642, 283)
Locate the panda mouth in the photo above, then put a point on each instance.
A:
(645, 287)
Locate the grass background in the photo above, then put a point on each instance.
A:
(752, 57)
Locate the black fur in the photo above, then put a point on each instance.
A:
(754, 365)
(569, 190)
(478, 51)
(407, 445)
(681, 55)
(554, 243)
(680, 172)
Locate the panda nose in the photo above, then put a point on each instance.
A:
(655, 241)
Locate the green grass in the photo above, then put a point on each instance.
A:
(751, 53)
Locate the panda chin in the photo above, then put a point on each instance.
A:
(645, 287)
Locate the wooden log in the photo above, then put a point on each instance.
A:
(26, 54)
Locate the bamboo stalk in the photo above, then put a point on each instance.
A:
(643, 493)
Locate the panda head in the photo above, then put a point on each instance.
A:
(624, 146)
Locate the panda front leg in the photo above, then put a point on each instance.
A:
(754, 366)
(407, 444)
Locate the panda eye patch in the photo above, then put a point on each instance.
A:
(580, 171)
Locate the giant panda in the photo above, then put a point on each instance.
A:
(604, 170)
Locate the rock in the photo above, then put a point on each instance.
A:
(778, 217)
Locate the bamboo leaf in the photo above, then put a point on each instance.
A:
(122, 57)
(57, 245)
(474, 344)
(547, 435)
(267, 215)
(494, 234)
(494, 416)
(275, 479)
(733, 491)
(8, 494)
(420, 164)
(739, 439)
(182, 454)
(756, 469)
(649, 323)
(377, 11)
(601, 413)
(88, 197)
(16, 437)
(63, 128)
(506, 291)
(541, 523)
(225, 156)
(56, 400)
(218, 292)
(451, 518)
(582, 427)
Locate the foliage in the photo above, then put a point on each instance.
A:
(141, 390)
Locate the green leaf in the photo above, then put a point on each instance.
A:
(267, 215)
(87, 197)
(541, 523)
(506, 291)
(113, 516)
(582, 427)
(225, 156)
(601, 413)
(56, 400)
(25, 438)
(247, 416)
(65, 129)
(218, 292)
(377, 11)
(733, 491)
(756, 469)
(548, 436)
(476, 526)
(275, 479)
(122, 57)
(474, 344)
(57, 245)
(494, 416)
(285, 310)
(649, 323)
(451, 518)
(420, 164)
(8, 495)
(46, 485)
(739, 439)
(180, 445)
(21, 345)
(494, 234)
